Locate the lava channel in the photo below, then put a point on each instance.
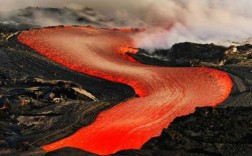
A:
(164, 93)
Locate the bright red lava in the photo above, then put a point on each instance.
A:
(165, 93)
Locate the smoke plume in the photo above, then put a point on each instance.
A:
(203, 21)
(167, 21)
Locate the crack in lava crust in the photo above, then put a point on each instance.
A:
(165, 93)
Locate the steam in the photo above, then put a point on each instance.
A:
(204, 21)
(166, 21)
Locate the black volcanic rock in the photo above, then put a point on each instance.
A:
(68, 152)
(6, 26)
(193, 54)
(203, 52)
(244, 48)
(154, 59)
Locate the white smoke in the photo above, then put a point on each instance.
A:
(203, 21)
(168, 21)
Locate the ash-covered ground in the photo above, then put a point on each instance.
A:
(41, 101)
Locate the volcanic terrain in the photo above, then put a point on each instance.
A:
(87, 91)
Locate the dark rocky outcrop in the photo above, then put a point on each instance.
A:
(6, 26)
(69, 151)
(193, 54)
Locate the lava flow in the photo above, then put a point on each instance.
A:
(165, 93)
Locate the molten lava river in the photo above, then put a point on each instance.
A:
(164, 93)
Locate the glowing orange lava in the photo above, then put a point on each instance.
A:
(165, 93)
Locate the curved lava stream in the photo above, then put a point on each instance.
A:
(165, 93)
